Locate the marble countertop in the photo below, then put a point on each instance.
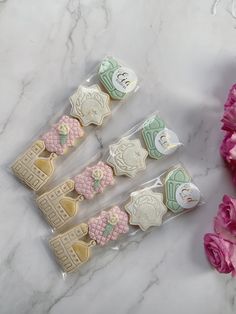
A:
(186, 59)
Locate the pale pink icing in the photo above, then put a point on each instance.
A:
(85, 182)
(52, 137)
(98, 224)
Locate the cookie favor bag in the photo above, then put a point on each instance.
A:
(149, 206)
(91, 103)
(126, 157)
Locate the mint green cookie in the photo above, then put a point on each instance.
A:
(105, 72)
(151, 128)
(118, 80)
(174, 179)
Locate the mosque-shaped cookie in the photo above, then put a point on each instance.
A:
(57, 205)
(71, 249)
(32, 168)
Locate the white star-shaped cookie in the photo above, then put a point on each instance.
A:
(90, 105)
(146, 209)
(127, 157)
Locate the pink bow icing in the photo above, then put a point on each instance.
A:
(94, 179)
(62, 135)
(108, 225)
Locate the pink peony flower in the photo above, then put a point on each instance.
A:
(220, 253)
(228, 149)
(229, 118)
(231, 97)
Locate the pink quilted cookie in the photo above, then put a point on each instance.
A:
(108, 225)
(62, 135)
(94, 179)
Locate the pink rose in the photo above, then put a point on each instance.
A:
(227, 214)
(229, 118)
(220, 253)
(231, 97)
(225, 221)
(228, 149)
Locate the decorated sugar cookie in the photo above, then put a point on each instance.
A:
(159, 140)
(90, 105)
(146, 209)
(180, 192)
(127, 157)
(62, 135)
(108, 225)
(69, 248)
(58, 206)
(94, 179)
(33, 169)
(118, 80)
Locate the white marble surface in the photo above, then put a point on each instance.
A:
(186, 58)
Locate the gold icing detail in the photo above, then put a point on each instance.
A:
(69, 205)
(45, 164)
(82, 250)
